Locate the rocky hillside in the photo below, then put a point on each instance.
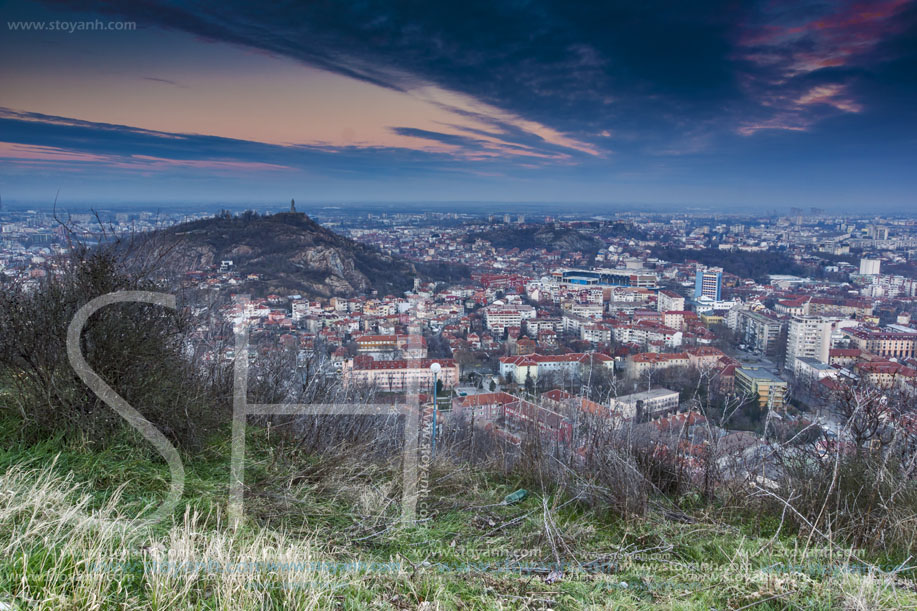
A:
(291, 253)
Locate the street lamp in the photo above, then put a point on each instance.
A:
(435, 368)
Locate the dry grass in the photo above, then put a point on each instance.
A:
(58, 552)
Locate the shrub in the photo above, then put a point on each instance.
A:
(138, 349)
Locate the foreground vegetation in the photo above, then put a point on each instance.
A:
(326, 534)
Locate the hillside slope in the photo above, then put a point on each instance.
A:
(290, 253)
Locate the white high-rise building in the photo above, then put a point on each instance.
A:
(667, 301)
(807, 336)
(869, 267)
(811, 336)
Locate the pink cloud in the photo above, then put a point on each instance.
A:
(832, 95)
(781, 53)
(208, 164)
(780, 123)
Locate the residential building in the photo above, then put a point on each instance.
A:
(597, 333)
(844, 357)
(894, 341)
(808, 336)
(647, 404)
(869, 267)
(760, 383)
(668, 301)
(886, 374)
(530, 366)
(760, 331)
(639, 364)
(499, 316)
(487, 406)
(704, 357)
(398, 375)
(813, 370)
(390, 346)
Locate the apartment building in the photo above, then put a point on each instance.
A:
(533, 326)
(388, 346)
(499, 316)
(668, 301)
(869, 266)
(759, 331)
(885, 374)
(398, 375)
(678, 319)
(704, 357)
(893, 341)
(844, 357)
(530, 366)
(808, 336)
(840, 307)
(587, 310)
(646, 333)
(597, 333)
(647, 404)
(640, 364)
(485, 406)
(761, 384)
(813, 370)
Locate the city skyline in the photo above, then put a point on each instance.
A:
(771, 105)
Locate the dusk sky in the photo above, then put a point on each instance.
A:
(736, 104)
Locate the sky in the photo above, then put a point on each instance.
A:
(731, 105)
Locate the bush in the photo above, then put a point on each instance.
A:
(138, 349)
(867, 500)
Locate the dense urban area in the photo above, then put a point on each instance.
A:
(660, 322)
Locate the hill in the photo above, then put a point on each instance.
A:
(291, 253)
(549, 237)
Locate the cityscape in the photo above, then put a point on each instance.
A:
(532, 322)
(482, 305)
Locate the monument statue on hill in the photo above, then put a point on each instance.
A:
(292, 205)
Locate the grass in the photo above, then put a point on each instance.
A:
(325, 534)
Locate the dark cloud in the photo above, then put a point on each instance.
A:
(162, 80)
(71, 135)
(580, 67)
(574, 65)
(450, 139)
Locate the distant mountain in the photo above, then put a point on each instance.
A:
(291, 253)
(549, 236)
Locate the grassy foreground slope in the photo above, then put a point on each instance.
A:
(325, 534)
